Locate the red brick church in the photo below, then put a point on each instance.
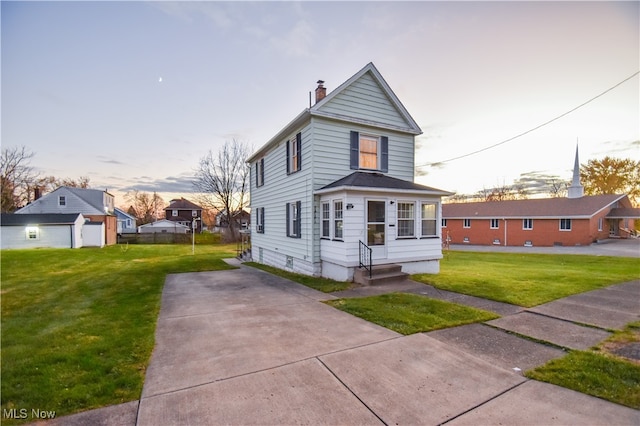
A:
(574, 220)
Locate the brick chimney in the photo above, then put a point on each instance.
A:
(36, 193)
(321, 91)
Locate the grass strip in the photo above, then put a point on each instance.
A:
(324, 285)
(411, 313)
(528, 279)
(595, 374)
(78, 325)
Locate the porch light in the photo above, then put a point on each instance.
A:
(31, 232)
(349, 206)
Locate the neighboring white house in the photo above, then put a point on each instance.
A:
(94, 204)
(20, 231)
(341, 174)
(126, 222)
(164, 226)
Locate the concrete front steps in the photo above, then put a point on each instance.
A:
(381, 274)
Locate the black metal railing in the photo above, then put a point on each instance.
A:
(364, 252)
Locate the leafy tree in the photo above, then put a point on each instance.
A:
(612, 176)
(224, 179)
(16, 176)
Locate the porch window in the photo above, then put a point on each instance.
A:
(375, 223)
(326, 220)
(406, 220)
(527, 224)
(369, 152)
(337, 220)
(565, 224)
(294, 221)
(429, 220)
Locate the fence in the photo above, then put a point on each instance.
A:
(155, 238)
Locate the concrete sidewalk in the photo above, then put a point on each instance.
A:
(247, 347)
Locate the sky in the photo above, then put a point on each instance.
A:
(133, 94)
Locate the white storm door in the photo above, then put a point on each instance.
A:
(376, 228)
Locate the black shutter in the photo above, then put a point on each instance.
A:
(262, 171)
(355, 150)
(287, 215)
(299, 150)
(288, 165)
(384, 155)
(298, 223)
(257, 173)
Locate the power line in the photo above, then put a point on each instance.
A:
(530, 130)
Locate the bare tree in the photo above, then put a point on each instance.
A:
(145, 207)
(224, 178)
(16, 176)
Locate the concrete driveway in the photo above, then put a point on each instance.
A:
(246, 347)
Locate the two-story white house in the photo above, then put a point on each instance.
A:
(335, 188)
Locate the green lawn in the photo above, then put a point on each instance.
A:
(324, 285)
(78, 325)
(528, 279)
(411, 313)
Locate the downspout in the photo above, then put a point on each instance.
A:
(71, 232)
(505, 231)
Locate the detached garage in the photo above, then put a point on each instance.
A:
(20, 231)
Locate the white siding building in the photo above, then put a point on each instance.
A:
(341, 174)
(42, 231)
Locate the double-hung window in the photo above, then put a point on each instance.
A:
(527, 224)
(337, 220)
(565, 224)
(260, 220)
(369, 152)
(429, 220)
(326, 220)
(294, 219)
(495, 223)
(260, 172)
(294, 154)
(406, 220)
(466, 223)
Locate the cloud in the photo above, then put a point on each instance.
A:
(107, 160)
(173, 184)
(297, 42)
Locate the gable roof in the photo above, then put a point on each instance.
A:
(164, 223)
(122, 214)
(366, 181)
(583, 207)
(624, 213)
(85, 201)
(320, 110)
(38, 219)
(182, 204)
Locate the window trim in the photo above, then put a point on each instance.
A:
(411, 220)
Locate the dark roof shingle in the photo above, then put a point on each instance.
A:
(380, 181)
(38, 219)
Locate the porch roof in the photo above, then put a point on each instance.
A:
(622, 213)
(366, 181)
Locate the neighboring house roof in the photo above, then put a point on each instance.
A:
(123, 214)
(85, 201)
(367, 181)
(624, 213)
(182, 204)
(38, 219)
(320, 110)
(583, 207)
(164, 223)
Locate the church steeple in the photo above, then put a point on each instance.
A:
(576, 190)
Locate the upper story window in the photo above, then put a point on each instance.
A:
(369, 152)
(294, 154)
(174, 213)
(260, 172)
(194, 213)
(62, 201)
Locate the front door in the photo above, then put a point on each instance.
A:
(376, 228)
(614, 227)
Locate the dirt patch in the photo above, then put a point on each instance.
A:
(627, 347)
